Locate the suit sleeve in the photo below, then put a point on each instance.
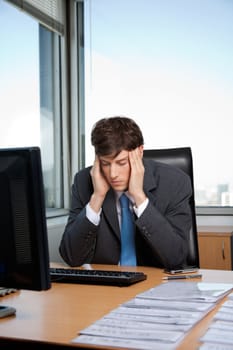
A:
(165, 224)
(77, 245)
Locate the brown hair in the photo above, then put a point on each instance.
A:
(114, 134)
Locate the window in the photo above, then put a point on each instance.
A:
(27, 91)
(169, 65)
(41, 103)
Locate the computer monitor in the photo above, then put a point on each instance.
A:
(24, 253)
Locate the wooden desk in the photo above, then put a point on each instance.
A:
(53, 318)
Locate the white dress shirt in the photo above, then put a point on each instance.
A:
(95, 217)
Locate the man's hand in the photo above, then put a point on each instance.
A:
(137, 176)
(100, 186)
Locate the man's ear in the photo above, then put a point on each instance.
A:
(141, 148)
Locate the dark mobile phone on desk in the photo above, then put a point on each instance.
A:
(6, 311)
(185, 270)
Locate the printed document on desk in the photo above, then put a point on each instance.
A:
(191, 291)
(187, 305)
(156, 319)
(219, 333)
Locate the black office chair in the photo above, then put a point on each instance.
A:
(181, 158)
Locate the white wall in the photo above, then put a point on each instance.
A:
(55, 228)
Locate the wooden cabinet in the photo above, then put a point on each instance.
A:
(215, 247)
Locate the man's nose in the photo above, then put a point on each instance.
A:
(113, 171)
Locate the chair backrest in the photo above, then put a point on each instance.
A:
(182, 159)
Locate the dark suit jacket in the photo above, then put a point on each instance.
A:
(162, 230)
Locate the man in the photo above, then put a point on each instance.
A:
(159, 195)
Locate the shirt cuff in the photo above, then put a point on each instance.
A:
(92, 215)
(140, 209)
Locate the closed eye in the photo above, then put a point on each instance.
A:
(122, 162)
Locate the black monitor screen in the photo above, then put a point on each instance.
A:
(24, 255)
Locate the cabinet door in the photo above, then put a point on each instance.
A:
(215, 251)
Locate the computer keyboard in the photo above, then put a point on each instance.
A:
(106, 277)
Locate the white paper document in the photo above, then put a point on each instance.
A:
(177, 321)
(123, 343)
(224, 325)
(136, 324)
(225, 312)
(174, 305)
(156, 319)
(188, 291)
(136, 333)
(212, 346)
(230, 296)
(219, 335)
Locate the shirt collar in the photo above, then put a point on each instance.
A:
(119, 193)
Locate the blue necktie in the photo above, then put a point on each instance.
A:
(128, 251)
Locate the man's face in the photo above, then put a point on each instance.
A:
(116, 170)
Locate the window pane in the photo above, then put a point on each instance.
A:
(19, 83)
(169, 65)
(28, 117)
